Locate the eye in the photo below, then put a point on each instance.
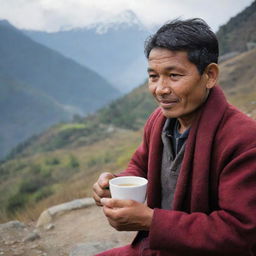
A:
(175, 76)
(152, 76)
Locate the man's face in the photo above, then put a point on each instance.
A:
(175, 83)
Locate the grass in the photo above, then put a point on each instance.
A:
(45, 179)
(72, 126)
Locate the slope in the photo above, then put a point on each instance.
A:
(128, 112)
(239, 81)
(39, 87)
(22, 111)
(48, 71)
(239, 33)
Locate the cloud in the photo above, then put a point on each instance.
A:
(53, 15)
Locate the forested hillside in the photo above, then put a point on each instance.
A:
(25, 111)
(129, 113)
(40, 87)
(239, 34)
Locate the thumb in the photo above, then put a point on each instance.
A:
(104, 179)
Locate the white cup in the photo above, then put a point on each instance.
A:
(129, 187)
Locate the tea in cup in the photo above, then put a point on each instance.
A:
(129, 187)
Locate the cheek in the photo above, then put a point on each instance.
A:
(196, 97)
(190, 97)
(151, 88)
(181, 91)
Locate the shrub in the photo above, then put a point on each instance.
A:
(73, 162)
(16, 202)
(93, 161)
(32, 185)
(35, 168)
(52, 161)
(43, 193)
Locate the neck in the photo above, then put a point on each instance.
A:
(184, 125)
(186, 121)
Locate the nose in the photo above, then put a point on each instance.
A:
(163, 87)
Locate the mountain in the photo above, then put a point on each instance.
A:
(239, 33)
(40, 87)
(25, 111)
(128, 112)
(48, 71)
(115, 51)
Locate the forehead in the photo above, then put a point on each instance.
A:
(161, 57)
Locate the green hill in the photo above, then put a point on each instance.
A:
(40, 87)
(22, 111)
(128, 112)
(239, 33)
(239, 81)
(41, 168)
(66, 81)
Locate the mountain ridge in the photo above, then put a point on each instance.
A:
(43, 64)
(97, 50)
(68, 87)
(238, 31)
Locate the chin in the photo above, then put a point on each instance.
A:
(169, 113)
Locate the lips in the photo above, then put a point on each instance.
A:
(167, 103)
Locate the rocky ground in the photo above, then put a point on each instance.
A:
(82, 232)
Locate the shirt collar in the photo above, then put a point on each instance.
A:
(171, 129)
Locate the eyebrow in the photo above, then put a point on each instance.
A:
(150, 70)
(166, 69)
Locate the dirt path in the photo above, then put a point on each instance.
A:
(84, 226)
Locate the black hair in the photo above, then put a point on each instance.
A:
(193, 36)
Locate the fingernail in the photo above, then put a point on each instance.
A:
(103, 201)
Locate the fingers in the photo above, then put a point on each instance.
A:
(99, 193)
(100, 188)
(104, 178)
(116, 203)
(112, 207)
(127, 214)
(114, 215)
(124, 214)
(97, 199)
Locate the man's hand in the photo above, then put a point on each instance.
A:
(127, 215)
(101, 187)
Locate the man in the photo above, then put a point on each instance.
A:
(198, 154)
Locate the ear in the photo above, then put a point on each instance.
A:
(211, 73)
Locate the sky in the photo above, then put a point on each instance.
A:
(55, 15)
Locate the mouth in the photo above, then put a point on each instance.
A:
(168, 103)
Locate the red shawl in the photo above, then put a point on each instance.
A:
(214, 207)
